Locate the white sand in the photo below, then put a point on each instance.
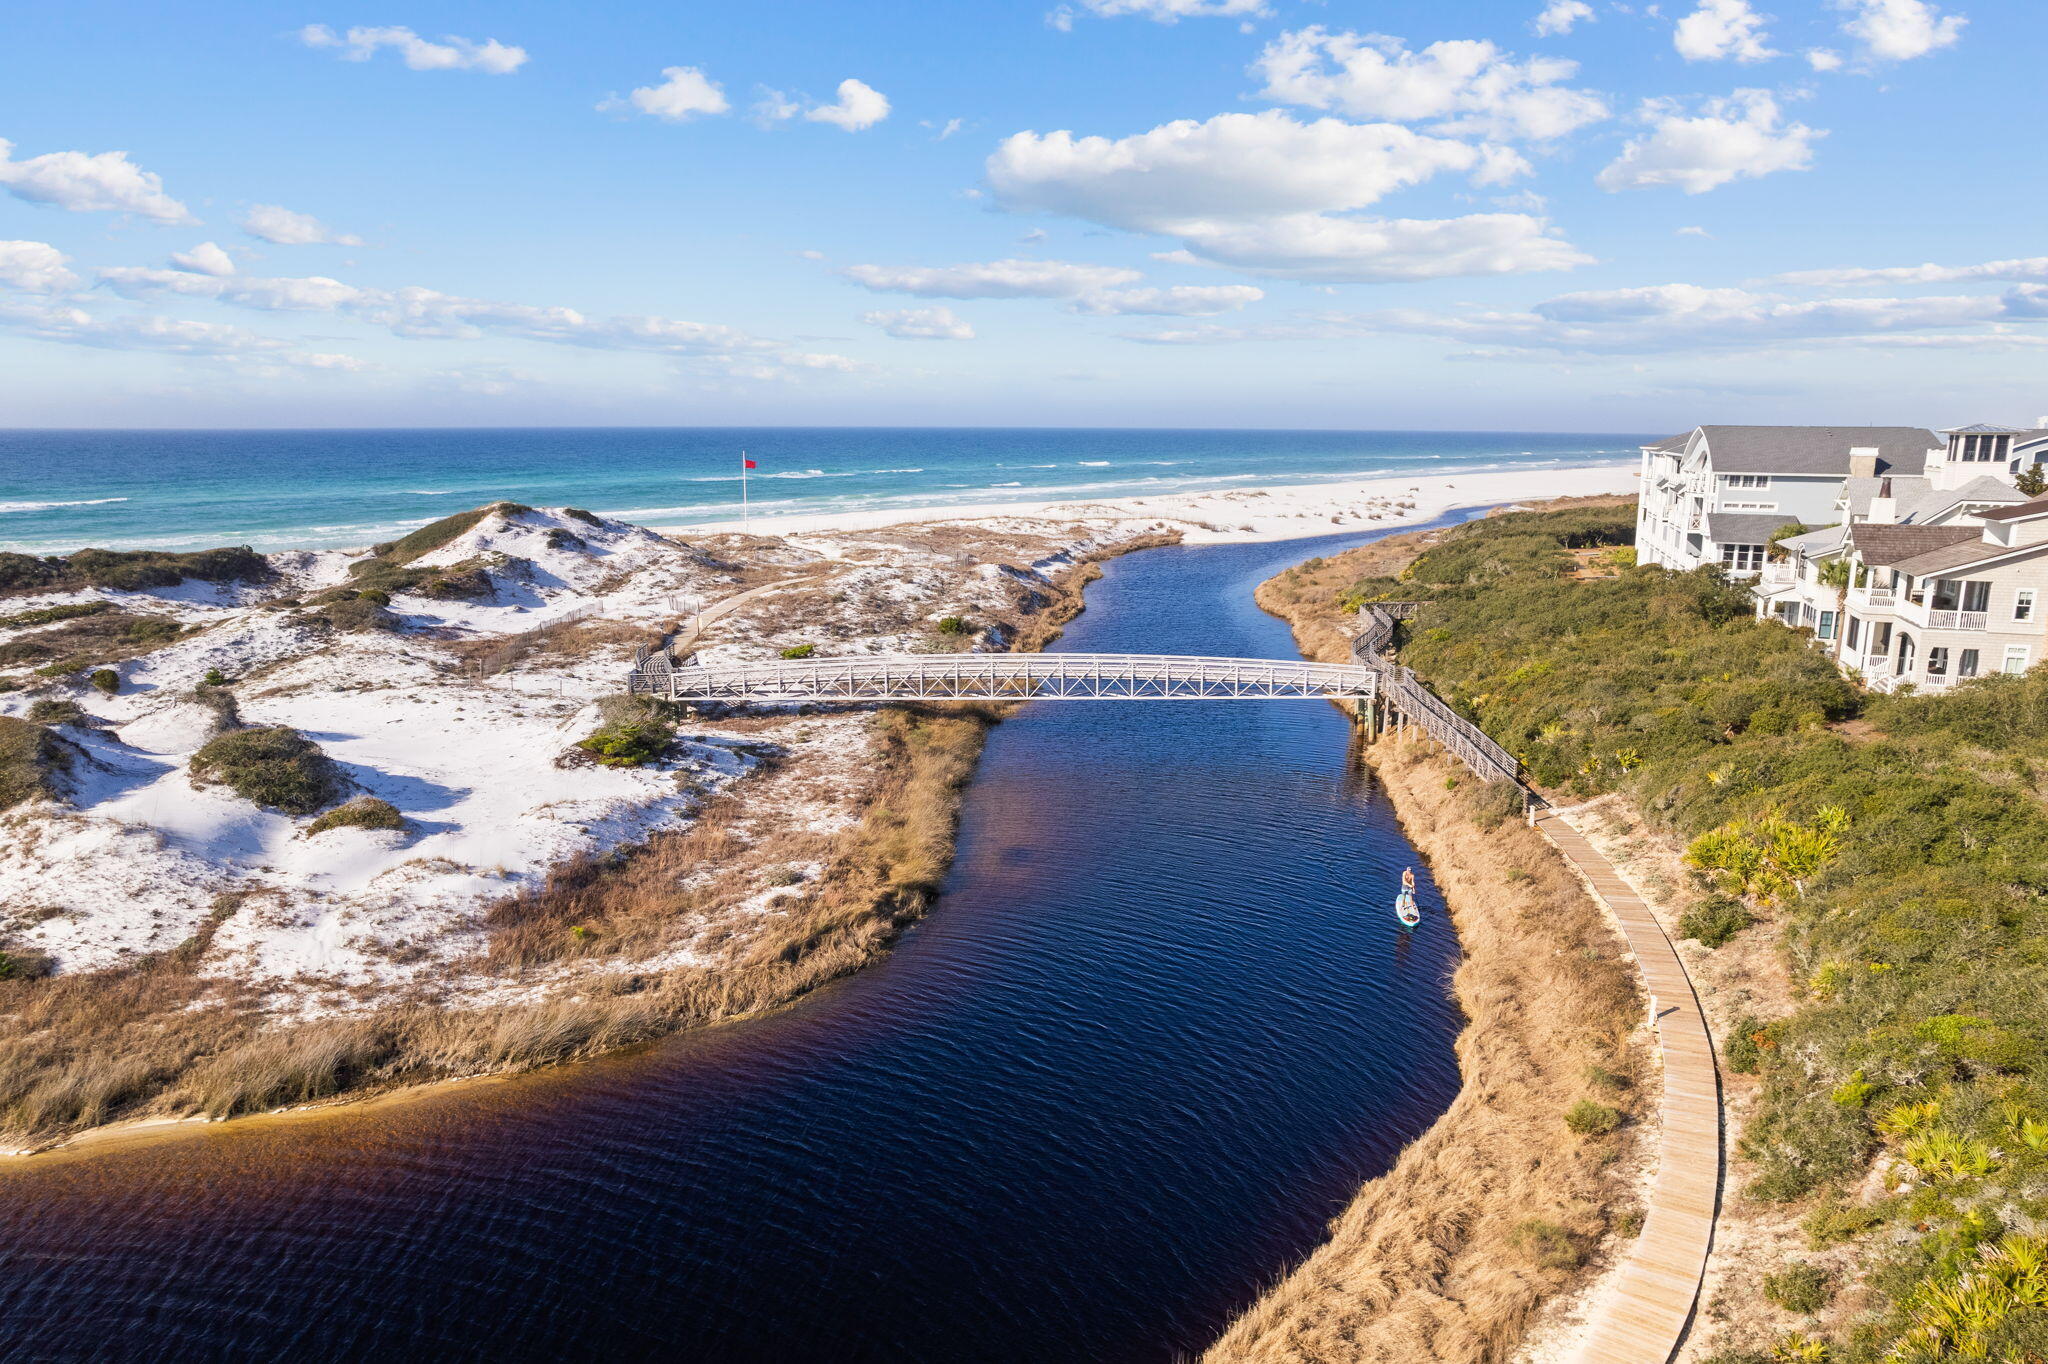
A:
(1280, 513)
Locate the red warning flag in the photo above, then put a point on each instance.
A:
(750, 464)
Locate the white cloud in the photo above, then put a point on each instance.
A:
(2025, 270)
(1722, 29)
(684, 92)
(282, 226)
(1162, 11)
(1899, 30)
(1262, 193)
(1823, 59)
(1182, 300)
(36, 267)
(450, 54)
(106, 182)
(1692, 232)
(951, 126)
(773, 107)
(921, 324)
(1688, 317)
(420, 313)
(150, 332)
(1558, 17)
(992, 279)
(204, 259)
(1736, 138)
(1461, 86)
(860, 106)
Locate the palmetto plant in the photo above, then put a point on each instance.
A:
(1956, 1319)
(1769, 857)
(1945, 1154)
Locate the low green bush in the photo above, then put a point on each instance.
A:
(1715, 920)
(271, 765)
(55, 712)
(30, 759)
(1589, 1118)
(215, 678)
(354, 616)
(105, 680)
(50, 615)
(364, 812)
(1743, 1048)
(20, 963)
(628, 745)
(1547, 1244)
(800, 651)
(1800, 1287)
(955, 625)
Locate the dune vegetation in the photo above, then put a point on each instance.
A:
(1894, 850)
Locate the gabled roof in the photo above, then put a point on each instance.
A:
(1821, 541)
(1952, 557)
(1982, 488)
(1907, 490)
(1887, 546)
(1673, 445)
(1817, 450)
(2025, 511)
(1746, 528)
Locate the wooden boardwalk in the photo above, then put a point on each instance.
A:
(1644, 1314)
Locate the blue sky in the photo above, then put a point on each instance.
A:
(1546, 214)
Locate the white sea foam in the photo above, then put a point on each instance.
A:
(45, 506)
(1094, 463)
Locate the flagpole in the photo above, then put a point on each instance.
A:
(746, 520)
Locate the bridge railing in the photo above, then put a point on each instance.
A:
(1401, 688)
(1005, 676)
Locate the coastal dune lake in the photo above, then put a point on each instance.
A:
(1157, 1030)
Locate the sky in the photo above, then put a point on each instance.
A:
(1571, 215)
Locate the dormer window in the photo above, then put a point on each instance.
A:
(1980, 448)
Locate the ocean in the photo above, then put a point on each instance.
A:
(65, 490)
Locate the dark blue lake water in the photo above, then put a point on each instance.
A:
(1157, 1031)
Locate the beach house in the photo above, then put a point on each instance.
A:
(1716, 494)
(1925, 579)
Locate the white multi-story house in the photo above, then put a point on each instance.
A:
(1716, 494)
(1926, 580)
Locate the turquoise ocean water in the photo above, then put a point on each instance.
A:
(63, 490)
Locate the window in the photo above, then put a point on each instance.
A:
(2015, 658)
(1966, 665)
(1905, 654)
(2023, 604)
(1742, 558)
(1937, 662)
(1855, 629)
(1746, 480)
(1827, 625)
(1976, 596)
(1749, 506)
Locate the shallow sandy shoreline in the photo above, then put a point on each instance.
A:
(1282, 512)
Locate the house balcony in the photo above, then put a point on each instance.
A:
(1927, 618)
(1873, 599)
(1778, 573)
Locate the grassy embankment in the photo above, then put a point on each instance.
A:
(163, 1039)
(1891, 852)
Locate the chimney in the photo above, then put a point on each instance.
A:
(1883, 509)
(1862, 461)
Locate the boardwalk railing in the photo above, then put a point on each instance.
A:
(1005, 677)
(1401, 689)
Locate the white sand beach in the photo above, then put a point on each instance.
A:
(1287, 512)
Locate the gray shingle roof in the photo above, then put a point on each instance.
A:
(1815, 541)
(1745, 528)
(1674, 445)
(1821, 450)
(2036, 507)
(1982, 488)
(1952, 557)
(1887, 546)
(1906, 489)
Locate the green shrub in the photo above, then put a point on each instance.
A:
(1589, 1118)
(800, 651)
(1713, 921)
(215, 678)
(587, 518)
(271, 765)
(30, 759)
(355, 615)
(19, 963)
(1836, 1221)
(364, 812)
(955, 625)
(1799, 1287)
(50, 712)
(1744, 1046)
(1547, 1244)
(106, 680)
(434, 535)
(628, 745)
(50, 615)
